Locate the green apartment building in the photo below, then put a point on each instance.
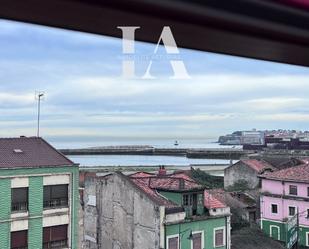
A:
(38, 196)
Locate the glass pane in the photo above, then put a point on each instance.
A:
(19, 195)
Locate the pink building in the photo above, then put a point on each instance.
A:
(283, 193)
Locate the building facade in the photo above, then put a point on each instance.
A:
(38, 196)
(148, 211)
(285, 193)
(245, 171)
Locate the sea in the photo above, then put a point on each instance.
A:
(141, 160)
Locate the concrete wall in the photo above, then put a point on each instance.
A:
(240, 171)
(119, 216)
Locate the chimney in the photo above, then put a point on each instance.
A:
(162, 171)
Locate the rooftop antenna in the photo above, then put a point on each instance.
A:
(39, 96)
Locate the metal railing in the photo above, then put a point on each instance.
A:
(19, 207)
(55, 244)
(55, 203)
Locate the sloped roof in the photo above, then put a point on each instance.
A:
(143, 184)
(141, 174)
(297, 173)
(150, 183)
(210, 201)
(257, 165)
(30, 152)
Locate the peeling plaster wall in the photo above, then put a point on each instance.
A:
(123, 218)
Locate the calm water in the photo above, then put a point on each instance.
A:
(137, 160)
(140, 160)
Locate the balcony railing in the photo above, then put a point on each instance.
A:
(25, 247)
(59, 244)
(19, 207)
(56, 203)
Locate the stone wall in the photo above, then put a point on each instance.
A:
(240, 171)
(118, 215)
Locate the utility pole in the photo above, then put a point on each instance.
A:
(39, 96)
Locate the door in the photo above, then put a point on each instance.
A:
(275, 232)
(194, 204)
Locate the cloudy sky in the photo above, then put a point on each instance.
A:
(87, 98)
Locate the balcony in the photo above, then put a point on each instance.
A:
(56, 203)
(19, 207)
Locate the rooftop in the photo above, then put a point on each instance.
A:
(211, 202)
(257, 165)
(30, 152)
(297, 173)
(150, 183)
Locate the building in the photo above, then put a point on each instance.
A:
(152, 211)
(243, 204)
(284, 193)
(245, 172)
(38, 196)
(252, 137)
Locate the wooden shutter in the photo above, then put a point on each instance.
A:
(55, 233)
(219, 237)
(173, 243)
(19, 239)
(197, 241)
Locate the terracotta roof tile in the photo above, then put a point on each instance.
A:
(29, 152)
(143, 183)
(141, 174)
(258, 166)
(211, 202)
(297, 173)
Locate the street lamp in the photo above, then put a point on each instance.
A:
(39, 96)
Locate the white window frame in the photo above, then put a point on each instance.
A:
(289, 211)
(171, 237)
(201, 232)
(290, 189)
(270, 230)
(224, 236)
(307, 240)
(271, 209)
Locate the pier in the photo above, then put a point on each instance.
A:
(213, 153)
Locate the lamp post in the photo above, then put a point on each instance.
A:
(39, 96)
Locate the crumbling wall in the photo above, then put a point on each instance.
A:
(126, 217)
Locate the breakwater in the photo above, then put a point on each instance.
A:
(214, 153)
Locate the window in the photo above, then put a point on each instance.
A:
(197, 240)
(55, 237)
(19, 199)
(293, 190)
(307, 238)
(274, 208)
(219, 238)
(55, 196)
(172, 242)
(307, 191)
(187, 200)
(19, 240)
(307, 214)
(292, 211)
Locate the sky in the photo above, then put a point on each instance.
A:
(87, 98)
